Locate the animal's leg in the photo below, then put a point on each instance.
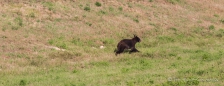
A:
(120, 49)
(117, 52)
(133, 50)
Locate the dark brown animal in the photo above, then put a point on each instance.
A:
(127, 44)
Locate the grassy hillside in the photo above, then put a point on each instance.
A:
(55, 42)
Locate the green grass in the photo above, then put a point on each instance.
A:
(98, 4)
(125, 70)
(87, 8)
(174, 1)
(49, 5)
(181, 44)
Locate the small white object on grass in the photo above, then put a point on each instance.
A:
(56, 48)
(102, 47)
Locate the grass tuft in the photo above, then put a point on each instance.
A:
(211, 27)
(19, 21)
(136, 20)
(22, 83)
(174, 1)
(98, 4)
(120, 9)
(49, 5)
(87, 8)
(222, 21)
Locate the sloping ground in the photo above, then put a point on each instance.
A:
(29, 24)
(40, 35)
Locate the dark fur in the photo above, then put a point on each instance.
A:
(127, 44)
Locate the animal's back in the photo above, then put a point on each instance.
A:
(126, 41)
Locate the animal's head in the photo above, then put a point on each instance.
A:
(136, 38)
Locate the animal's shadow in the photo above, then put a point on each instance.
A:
(125, 51)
